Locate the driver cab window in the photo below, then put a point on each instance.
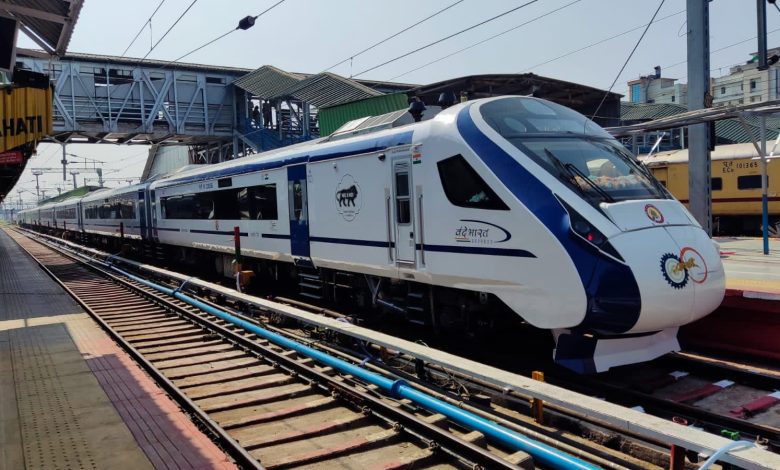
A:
(465, 188)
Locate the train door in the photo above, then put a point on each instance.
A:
(152, 209)
(79, 217)
(404, 220)
(299, 212)
(142, 215)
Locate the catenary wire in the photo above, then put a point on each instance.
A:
(601, 41)
(169, 29)
(406, 54)
(222, 35)
(487, 39)
(628, 59)
(147, 22)
(395, 35)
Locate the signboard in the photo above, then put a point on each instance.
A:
(25, 116)
(11, 158)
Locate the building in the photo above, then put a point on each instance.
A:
(747, 84)
(657, 89)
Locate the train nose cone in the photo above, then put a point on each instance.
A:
(700, 260)
(678, 271)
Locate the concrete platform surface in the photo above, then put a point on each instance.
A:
(749, 272)
(70, 397)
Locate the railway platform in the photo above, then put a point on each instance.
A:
(70, 397)
(748, 321)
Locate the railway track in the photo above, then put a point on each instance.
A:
(267, 406)
(640, 385)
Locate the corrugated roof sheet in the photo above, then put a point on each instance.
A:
(328, 89)
(48, 22)
(268, 81)
(733, 131)
(648, 111)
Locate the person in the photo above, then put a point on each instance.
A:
(267, 114)
(256, 116)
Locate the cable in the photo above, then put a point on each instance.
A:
(447, 37)
(723, 48)
(170, 28)
(627, 59)
(224, 34)
(601, 41)
(486, 40)
(394, 35)
(147, 22)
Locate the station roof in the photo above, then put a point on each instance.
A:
(322, 89)
(268, 82)
(328, 89)
(49, 23)
(483, 86)
(581, 98)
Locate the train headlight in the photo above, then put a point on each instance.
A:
(585, 231)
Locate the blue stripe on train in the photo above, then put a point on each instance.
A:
(614, 301)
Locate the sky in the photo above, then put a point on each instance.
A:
(547, 37)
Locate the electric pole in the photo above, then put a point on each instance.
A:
(699, 97)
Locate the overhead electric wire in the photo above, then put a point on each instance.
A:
(170, 28)
(147, 22)
(447, 37)
(601, 41)
(487, 39)
(617, 77)
(724, 48)
(395, 35)
(224, 34)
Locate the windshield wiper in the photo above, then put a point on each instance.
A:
(571, 170)
(596, 187)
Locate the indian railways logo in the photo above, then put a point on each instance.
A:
(479, 232)
(654, 214)
(349, 199)
(689, 264)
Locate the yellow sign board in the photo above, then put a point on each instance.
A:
(25, 116)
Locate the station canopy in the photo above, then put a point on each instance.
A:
(49, 23)
(581, 98)
(321, 90)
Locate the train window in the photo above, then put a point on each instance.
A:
(264, 202)
(716, 184)
(750, 182)
(464, 187)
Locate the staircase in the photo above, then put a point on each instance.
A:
(263, 140)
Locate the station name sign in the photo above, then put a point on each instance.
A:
(25, 116)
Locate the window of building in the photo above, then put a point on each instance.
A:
(723, 90)
(750, 182)
(716, 184)
(752, 85)
(464, 187)
(636, 93)
(672, 98)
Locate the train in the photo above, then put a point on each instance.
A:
(735, 183)
(508, 204)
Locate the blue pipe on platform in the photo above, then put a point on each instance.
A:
(542, 453)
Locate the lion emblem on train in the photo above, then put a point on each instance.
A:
(349, 198)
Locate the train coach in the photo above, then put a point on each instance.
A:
(505, 204)
(736, 186)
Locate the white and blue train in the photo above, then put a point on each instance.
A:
(503, 203)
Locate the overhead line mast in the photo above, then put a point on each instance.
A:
(699, 97)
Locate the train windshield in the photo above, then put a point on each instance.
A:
(573, 148)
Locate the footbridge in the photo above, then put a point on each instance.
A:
(121, 100)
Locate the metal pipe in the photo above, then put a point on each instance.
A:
(543, 453)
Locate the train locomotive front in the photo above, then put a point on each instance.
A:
(643, 264)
